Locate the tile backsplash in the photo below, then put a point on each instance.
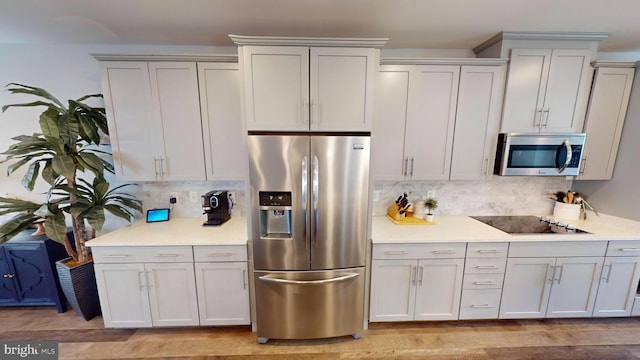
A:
(499, 196)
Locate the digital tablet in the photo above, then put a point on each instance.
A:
(157, 215)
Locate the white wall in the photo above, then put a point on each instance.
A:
(69, 72)
(621, 195)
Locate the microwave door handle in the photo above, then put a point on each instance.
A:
(569, 154)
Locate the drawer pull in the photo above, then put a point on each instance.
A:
(226, 254)
(629, 249)
(484, 282)
(167, 255)
(482, 306)
(8, 276)
(115, 256)
(396, 252)
(486, 267)
(439, 252)
(490, 251)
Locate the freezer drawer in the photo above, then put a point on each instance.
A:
(309, 304)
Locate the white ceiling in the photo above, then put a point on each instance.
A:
(425, 24)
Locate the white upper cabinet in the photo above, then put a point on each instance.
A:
(547, 90)
(436, 122)
(224, 148)
(153, 112)
(605, 119)
(293, 86)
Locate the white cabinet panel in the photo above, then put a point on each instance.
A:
(439, 289)
(393, 290)
(605, 120)
(618, 286)
(480, 304)
(124, 298)
(527, 283)
(547, 90)
(172, 294)
(575, 284)
(220, 108)
(223, 293)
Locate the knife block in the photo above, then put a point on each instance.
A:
(394, 212)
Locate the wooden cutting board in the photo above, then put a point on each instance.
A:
(410, 221)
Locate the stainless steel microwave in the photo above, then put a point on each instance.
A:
(539, 154)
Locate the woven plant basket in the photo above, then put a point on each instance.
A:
(79, 287)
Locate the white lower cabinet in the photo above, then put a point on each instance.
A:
(538, 287)
(416, 281)
(223, 285)
(619, 280)
(147, 294)
(483, 277)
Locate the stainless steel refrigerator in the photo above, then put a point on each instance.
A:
(309, 201)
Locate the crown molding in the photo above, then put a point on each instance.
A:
(167, 57)
(443, 61)
(241, 40)
(540, 35)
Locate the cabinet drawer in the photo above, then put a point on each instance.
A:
(480, 304)
(485, 266)
(219, 253)
(420, 251)
(557, 249)
(482, 281)
(136, 254)
(623, 248)
(487, 250)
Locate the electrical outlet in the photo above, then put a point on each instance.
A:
(431, 194)
(173, 197)
(193, 196)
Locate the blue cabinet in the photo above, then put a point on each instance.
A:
(27, 270)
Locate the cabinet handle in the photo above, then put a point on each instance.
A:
(396, 252)
(603, 277)
(610, 271)
(414, 274)
(545, 119)
(440, 252)
(484, 282)
(115, 256)
(226, 254)
(482, 306)
(155, 165)
(560, 274)
(629, 249)
(167, 255)
(583, 166)
(421, 275)
(554, 272)
(488, 163)
(162, 166)
(412, 161)
(538, 124)
(486, 267)
(9, 276)
(405, 166)
(488, 251)
(244, 279)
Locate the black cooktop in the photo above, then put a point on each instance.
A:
(525, 225)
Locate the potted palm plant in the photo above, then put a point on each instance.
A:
(67, 154)
(430, 204)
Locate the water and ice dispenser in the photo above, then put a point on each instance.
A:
(275, 214)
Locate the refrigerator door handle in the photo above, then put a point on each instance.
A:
(309, 282)
(314, 194)
(305, 180)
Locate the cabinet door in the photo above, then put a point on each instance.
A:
(604, 122)
(433, 93)
(127, 99)
(178, 128)
(575, 284)
(439, 289)
(8, 292)
(567, 92)
(618, 286)
(124, 299)
(341, 91)
(387, 137)
(527, 283)
(525, 90)
(223, 293)
(172, 294)
(224, 145)
(276, 83)
(393, 290)
(477, 122)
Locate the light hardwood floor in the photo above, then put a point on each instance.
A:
(494, 339)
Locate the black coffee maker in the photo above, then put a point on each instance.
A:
(217, 205)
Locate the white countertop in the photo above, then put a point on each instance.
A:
(177, 231)
(466, 229)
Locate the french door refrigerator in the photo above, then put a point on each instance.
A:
(309, 201)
